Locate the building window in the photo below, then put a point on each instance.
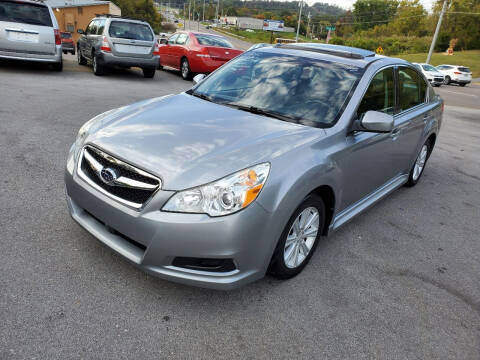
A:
(70, 28)
(80, 11)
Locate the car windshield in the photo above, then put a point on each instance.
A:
(19, 12)
(129, 30)
(305, 90)
(428, 67)
(209, 40)
(66, 35)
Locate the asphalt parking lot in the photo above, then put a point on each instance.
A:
(399, 282)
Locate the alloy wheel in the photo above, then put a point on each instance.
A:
(301, 237)
(185, 69)
(420, 162)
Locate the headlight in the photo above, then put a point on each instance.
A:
(222, 197)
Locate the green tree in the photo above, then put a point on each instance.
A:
(368, 13)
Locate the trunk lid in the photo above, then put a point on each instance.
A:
(222, 53)
(131, 39)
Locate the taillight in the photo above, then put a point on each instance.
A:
(204, 53)
(58, 38)
(105, 46)
(457, 73)
(156, 50)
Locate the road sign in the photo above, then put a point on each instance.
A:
(330, 28)
(379, 50)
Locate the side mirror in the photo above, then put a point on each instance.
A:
(198, 78)
(80, 31)
(163, 41)
(376, 121)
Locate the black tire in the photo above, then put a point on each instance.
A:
(412, 179)
(98, 69)
(185, 69)
(65, 52)
(462, 84)
(447, 80)
(81, 60)
(148, 72)
(72, 52)
(58, 66)
(278, 267)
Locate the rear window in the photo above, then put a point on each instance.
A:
(208, 40)
(128, 30)
(66, 35)
(32, 14)
(464, 69)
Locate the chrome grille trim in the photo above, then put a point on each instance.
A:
(120, 182)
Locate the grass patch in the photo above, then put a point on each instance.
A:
(469, 58)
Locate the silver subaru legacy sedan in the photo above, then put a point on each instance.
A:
(242, 174)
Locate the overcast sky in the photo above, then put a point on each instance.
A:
(347, 4)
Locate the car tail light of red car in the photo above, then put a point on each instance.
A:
(156, 50)
(105, 46)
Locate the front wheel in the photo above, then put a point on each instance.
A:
(417, 169)
(81, 60)
(447, 80)
(299, 239)
(185, 69)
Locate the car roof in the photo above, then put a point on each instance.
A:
(337, 53)
(120, 18)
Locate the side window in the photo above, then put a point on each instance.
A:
(182, 39)
(412, 88)
(92, 28)
(172, 39)
(100, 26)
(380, 95)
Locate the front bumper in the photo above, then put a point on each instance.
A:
(152, 239)
(109, 59)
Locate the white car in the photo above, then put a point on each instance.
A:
(431, 73)
(456, 74)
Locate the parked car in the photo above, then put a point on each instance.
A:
(110, 41)
(434, 76)
(244, 173)
(455, 74)
(29, 32)
(68, 46)
(195, 52)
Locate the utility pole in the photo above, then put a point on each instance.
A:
(308, 24)
(437, 30)
(203, 10)
(189, 7)
(184, 18)
(216, 13)
(299, 20)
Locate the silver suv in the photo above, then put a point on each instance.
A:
(110, 41)
(246, 171)
(29, 32)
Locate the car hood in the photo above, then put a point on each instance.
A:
(187, 141)
(434, 73)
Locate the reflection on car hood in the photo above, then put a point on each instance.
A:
(434, 73)
(189, 142)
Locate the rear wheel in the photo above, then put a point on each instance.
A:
(447, 80)
(185, 69)
(97, 68)
(81, 60)
(420, 163)
(299, 239)
(148, 72)
(58, 66)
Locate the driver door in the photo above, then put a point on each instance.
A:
(367, 161)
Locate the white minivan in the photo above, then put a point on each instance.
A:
(29, 32)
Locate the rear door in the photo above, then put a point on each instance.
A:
(26, 28)
(85, 42)
(413, 114)
(178, 49)
(166, 51)
(131, 39)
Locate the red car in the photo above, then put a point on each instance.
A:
(67, 43)
(195, 52)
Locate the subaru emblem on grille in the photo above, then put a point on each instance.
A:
(108, 176)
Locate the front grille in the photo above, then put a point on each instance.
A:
(120, 180)
(438, 79)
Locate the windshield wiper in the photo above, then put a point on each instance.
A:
(201, 96)
(260, 111)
